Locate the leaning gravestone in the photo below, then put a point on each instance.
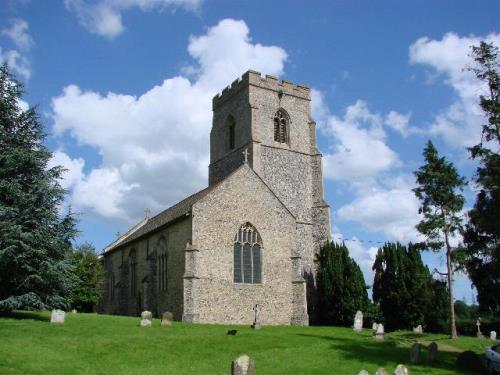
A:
(166, 319)
(57, 316)
(382, 371)
(493, 335)
(401, 370)
(146, 319)
(415, 353)
(358, 321)
(418, 329)
(432, 350)
(243, 365)
(379, 334)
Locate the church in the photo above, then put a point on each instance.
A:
(249, 238)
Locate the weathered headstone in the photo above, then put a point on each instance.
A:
(379, 333)
(363, 372)
(478, 324)
(57, 316)
(415, 353)
(73, 311)
(146, 319)
(382, 371)
(432, 350)
(358, 321)
(493, 335)
(243, 365)
(401, 370)
(418, 329)
(374, 327)
(256, 320)
(166, 319)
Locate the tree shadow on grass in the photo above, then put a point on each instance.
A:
(367, 350)
(33, 315)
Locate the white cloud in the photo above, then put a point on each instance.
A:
(460, 123)
(154, 146)
(400, 123)
(104, 17)
(18, 63)
(18, 33)
(73, 168)
(357, 145)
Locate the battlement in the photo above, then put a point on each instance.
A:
(253, 78)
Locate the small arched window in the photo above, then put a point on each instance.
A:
(230, 133)
(281, 122)
(247, 255)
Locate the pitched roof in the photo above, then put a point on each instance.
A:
(179, 210)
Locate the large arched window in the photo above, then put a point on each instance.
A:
(281, 123)
(247, 255)
(230, 133)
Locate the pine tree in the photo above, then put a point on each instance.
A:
(34, 239)
(340, 285)
(438, 182)
(482, 233)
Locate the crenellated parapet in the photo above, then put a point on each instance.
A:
(253, 78)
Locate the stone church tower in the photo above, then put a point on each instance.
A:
(250, 237)
(272, 120)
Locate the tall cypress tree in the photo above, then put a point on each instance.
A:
(340, 285)
(34, 238)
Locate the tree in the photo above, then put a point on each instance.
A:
(441, 203)
(340, 285)
(34, 238)
(404, 288)
(482, 231)
(88, 278)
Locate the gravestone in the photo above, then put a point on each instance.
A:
(166, 319)
(57, 316)
(358, 321)
(418, 329)
(363, 372)
(493, 335)
(379, 333)
(243, 365)
(382, 371)
(401, 370)
(256, 320)
(146, 319)
(73, 311)
(432, 350)
(478, 324)
(415, 353)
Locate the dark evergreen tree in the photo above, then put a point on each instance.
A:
(34, 238)
(482, 232)
(88, 278)
(438, 185)
(340, 285)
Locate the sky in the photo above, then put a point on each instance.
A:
(124, 89)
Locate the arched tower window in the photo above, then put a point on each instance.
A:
(230, 133)
(247, 255)
(281, 123)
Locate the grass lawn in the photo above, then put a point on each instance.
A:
(103, 344)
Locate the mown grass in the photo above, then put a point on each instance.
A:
(102, 344)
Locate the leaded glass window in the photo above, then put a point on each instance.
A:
(281, 126)
(247, 255)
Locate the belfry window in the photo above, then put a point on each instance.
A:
(247, 255)
(281, 126)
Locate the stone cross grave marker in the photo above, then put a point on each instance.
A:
(358, 321)
(401, 370)
(146, 319)
(478, 324)
(256, 320)
(432, 350)
(415, 353)
(243, 365)
(493, 335)
(379, 333)
(57, 316)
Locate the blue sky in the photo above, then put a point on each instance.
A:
(124, 89)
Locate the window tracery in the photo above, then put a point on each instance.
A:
(247, 255)
(281, 123)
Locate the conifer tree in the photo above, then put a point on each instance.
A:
(340, 285)
(34, 238)
(482, 233)
(441, 203)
